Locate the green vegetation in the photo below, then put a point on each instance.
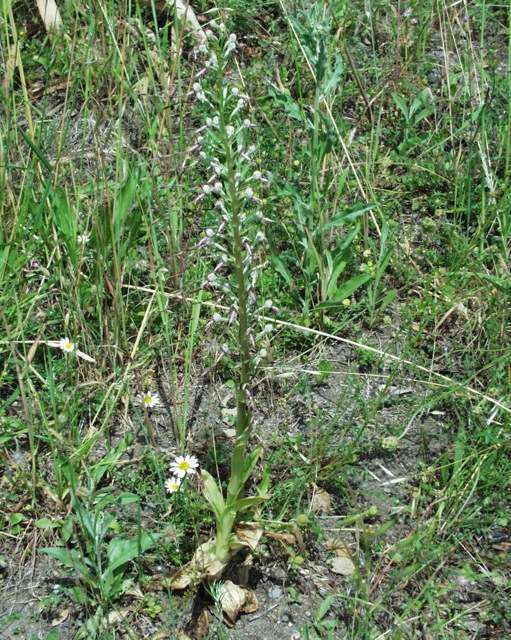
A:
(283, 257)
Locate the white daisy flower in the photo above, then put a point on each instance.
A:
(66, 345)
(148, 399)
(82, 239)
(183, 465)
(172, 484)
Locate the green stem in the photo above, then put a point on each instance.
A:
(223, 536)
(243, 416)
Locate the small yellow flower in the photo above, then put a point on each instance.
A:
(66, 345)
(346, 302)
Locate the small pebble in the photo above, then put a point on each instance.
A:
(275, 593)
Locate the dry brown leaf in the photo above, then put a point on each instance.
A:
(113, 617)
(156, 583)
(321, 501)
(204, 566)
(50, 15)
(249, 534)
(286, 538)
(339, 547)
(59, 619)
(184, 10)
(343, 566)
(33, 346)
(11, 63)
(240, 572)
(178, 635)
(236, 600)
(199, 625)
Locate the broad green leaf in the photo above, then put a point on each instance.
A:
(281, 268)
(388, 299)
(399, 102)
(348, 215)
(290, 106)
(332, 77)
(265, 480)
(421, 100)
(350, 287)
(120, 552)
(84, 449)
(14, 395)
(70, 558)
(502, 285)
(127, 498)
(47, 523)
(345, 291)
(16, 518)
(250, 463)
(338, 266)
(212, 494)
(423, 114)
(108, 462)
(245, 503)
(325, 606)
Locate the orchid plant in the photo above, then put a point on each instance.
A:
(236, 245)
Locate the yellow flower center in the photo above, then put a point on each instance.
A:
(147, 399)
(69, 345)
(184, 465)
